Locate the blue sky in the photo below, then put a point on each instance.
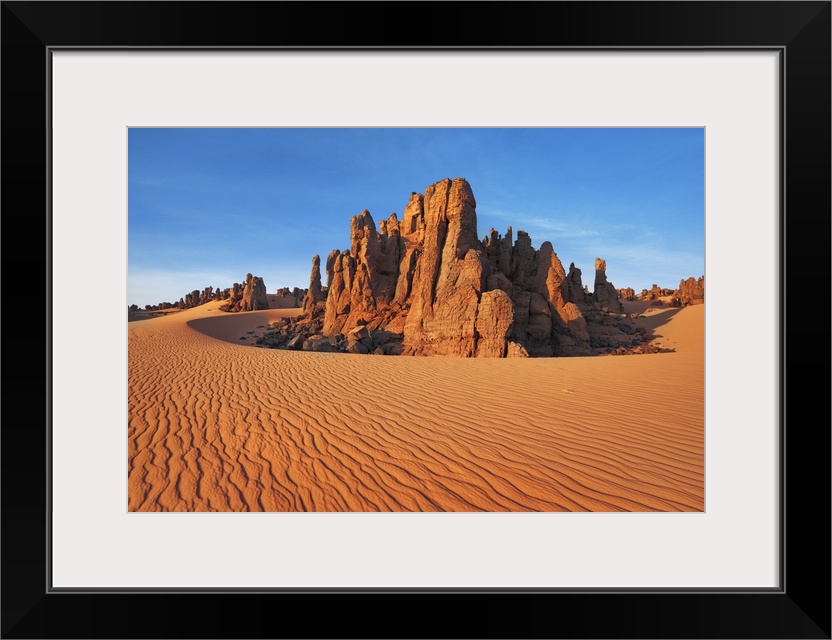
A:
(207, 206)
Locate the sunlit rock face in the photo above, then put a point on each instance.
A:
(427, 285)
(251, 296)
(691, 291)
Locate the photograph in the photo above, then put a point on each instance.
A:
(415, 315)
(416, 319)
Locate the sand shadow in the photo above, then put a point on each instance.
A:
(653, 318)
(242, 328)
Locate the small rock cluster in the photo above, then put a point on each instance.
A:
(294, 334)
(189, 300)
(690, 292)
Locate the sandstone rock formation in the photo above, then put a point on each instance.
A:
(254, 294)
(287, 298)
(314, 294)
(575, 288)
(189, 300)
(250, 296)
(656, 292)
(427, 285)
(605, 294)
(494, 319)
(450, 276)
(194, 298)
(691, 291)
(627, 293)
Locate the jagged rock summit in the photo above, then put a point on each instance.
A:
(691, 291)
(427, 285)
(249, 297)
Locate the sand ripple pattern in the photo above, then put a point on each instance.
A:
(218, 426)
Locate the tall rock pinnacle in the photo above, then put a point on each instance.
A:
(427, 285)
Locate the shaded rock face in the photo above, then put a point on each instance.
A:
(235, 294)
(315, 294)
(427, 285)
(575, 288)
(292, 298)
(193, 299)
(250, 296)
(498, 250)
(254, 294)
(494, 319)
(691, 291)
(340, 272)
(196, 298)
(627, 293)
(605, 293)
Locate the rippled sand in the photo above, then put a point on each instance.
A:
(216, 425)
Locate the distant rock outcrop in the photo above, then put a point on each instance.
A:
(627, 293)
(189, 300)
(254, 294)
(656, 292)
(287, 298)
(427, 285)
(250, 296)
(691, 291)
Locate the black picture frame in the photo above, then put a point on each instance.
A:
(800, 608)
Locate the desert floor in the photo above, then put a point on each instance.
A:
(215, 424)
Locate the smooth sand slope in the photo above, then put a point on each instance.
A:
(215, 425)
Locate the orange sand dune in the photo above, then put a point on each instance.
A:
(215, 425)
